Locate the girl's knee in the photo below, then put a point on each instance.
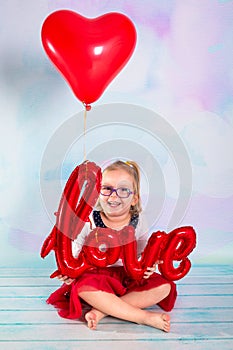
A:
(166, 288)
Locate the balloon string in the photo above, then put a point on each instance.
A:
(84, 133)
(86, 172)
(84, 142)
(96, 236)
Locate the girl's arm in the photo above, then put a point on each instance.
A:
(65, 279)
(78, 243)
(151, 270)
(76, 248)
(142, 236)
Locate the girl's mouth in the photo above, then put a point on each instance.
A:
(113, 204)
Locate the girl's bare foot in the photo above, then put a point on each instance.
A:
(160, 321)
(91, 319)
(156, 320)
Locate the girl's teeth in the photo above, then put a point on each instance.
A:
(113, 203)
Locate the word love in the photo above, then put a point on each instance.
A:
(104, 246)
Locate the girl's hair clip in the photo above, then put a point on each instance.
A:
(129, 164)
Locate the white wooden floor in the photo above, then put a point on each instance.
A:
(202, 318)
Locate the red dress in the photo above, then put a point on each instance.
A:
(111, 279)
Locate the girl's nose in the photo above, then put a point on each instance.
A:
(113, 194)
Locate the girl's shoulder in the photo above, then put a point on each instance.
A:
(96, 219)
(134, 220)
(142, 226)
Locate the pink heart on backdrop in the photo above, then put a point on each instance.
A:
(89, 53)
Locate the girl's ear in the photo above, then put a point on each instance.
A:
(135, 199)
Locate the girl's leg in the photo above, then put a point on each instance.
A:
(147, 298)
(132, 303)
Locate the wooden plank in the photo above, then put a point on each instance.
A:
(45, 291)
(32, 291)
(203, 270)
(205, 344)
(201, 315)
(183, 302)
(25, 272)
(205, 301)
(204, 289)
(11, 317)
(46, 281)
(210, 279)
(196, 270)
(28, 281)
(107, 331)
(202, 318)
(31, 317)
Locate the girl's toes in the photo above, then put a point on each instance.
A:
(90, 317)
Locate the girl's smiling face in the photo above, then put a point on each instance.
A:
(113, 205)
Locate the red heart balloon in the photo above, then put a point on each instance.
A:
(89, 53)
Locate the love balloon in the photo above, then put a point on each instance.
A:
(105, 246)
(89, 53)
(79, 196)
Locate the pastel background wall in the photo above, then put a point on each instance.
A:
(181, 70)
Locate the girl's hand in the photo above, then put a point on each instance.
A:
(150, 270)
(65, 279)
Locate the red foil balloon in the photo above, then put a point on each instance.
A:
(89, 53)
(136, 267)
(66, 263)
(175, 246)
(102, 247)
(74, 208)
(79, 196)
(105, 246)
(180, 244)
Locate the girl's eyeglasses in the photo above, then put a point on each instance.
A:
(121, 192)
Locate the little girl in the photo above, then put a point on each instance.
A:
(109, 291)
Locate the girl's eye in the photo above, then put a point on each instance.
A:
(107, 188)
(124, 189)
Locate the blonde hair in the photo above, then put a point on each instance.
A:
(132, 169)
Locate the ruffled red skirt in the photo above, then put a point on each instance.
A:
(110, 279)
